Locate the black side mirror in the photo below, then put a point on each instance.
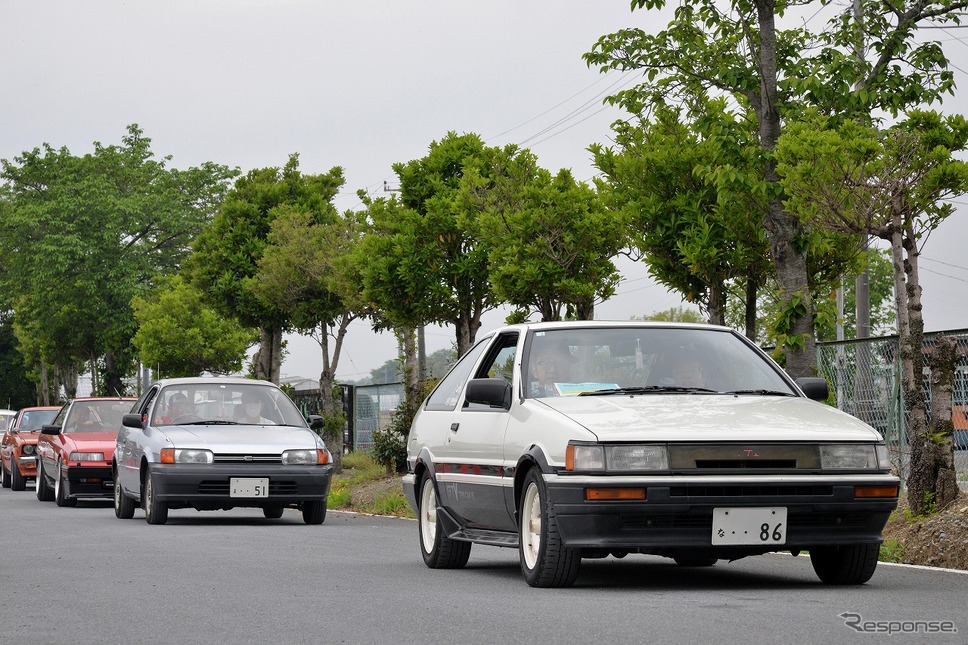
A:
(132, 421)
(53, 430)
(316, 422)
(814, 387)
(493, 392)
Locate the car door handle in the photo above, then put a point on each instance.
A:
(454, 426)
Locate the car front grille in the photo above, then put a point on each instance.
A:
(247, 459)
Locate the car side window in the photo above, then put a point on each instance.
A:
(448, 393)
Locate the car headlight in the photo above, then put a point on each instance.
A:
(86, 456)
(853, 457)
(186, 456)
(305, 457)
(28, 449)
(616, 458)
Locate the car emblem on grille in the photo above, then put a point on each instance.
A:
(247, 458)
(751, 453)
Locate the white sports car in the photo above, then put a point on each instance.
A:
(587, 439)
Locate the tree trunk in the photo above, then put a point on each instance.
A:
(782, 229)
(751, 309)
(411, 371)
(942, 361)
(267, 362)
(717, 304)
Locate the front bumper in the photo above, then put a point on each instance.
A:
(90, 482)
(677, 513)
(27, 465)
(207, 485)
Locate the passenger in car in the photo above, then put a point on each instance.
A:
(252, 409)
(687, 372)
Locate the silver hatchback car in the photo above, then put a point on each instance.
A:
(212, 443)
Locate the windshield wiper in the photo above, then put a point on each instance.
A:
(761, 392)
(210, 422)
(647, 389)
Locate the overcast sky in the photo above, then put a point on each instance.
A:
(360, 84)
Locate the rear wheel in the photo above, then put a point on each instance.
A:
(850, 564)
(545, 562)
(6, 475)
(273, 512)
(61, 495)
(156, 511)
(123, 505)
(438, 550)
(314, 512)
(44, 493)
(17, 479)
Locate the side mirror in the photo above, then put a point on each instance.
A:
(814, 387)
(52, 430)
(493, 392)
(132, 421)
(316, 422)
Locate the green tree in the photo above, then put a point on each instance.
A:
(771, 75)
(227, 253)
(550, 239)
(895, 185)
(179, 335)
(675, 314)
(83, 235)
(15, 386)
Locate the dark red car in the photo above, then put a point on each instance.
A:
(18, 447)
(75, 450)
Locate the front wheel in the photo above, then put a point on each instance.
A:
(850, 564)
(156, 511)
(545, 562)
(438, 550)
(44, 493)
(314, 512)
(17, 480)
(61, 496)
(123, 505)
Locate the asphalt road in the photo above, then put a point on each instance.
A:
(79, 575)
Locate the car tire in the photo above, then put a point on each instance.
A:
(694, 561)
(6, 477)
(123, 505)
(156, 511)
(17, 480)
(60, 489)
(273, 512)
(438, 550)
(851, 564)
(314, 512)
(44, 492)
(545, 562)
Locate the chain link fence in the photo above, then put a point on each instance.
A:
(865, 378)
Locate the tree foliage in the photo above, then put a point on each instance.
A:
(83, 235)
(180, 335)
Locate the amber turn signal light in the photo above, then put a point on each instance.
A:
(875, 491)
(600, 494)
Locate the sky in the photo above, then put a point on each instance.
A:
(360, 84)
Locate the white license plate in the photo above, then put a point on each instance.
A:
(248, 487)
(749, 525)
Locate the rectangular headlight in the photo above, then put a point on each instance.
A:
(86, 456)
(636, 457)
(848, 457)
(186, 456)
(300, 457)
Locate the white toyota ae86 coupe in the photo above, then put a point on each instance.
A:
(593, 439)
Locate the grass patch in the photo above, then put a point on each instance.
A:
(364, 486)
(891, 551)
(392, 504)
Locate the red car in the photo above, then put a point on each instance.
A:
(74, 451)
(19, 444)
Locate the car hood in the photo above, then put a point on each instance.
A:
(241, 439)
(710, 417)
(90, 441)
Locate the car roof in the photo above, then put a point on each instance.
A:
(208, 380)
(605, 324)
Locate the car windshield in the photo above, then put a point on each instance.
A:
(224, 404)
(653, 360)
(96, 416)
(34, 420)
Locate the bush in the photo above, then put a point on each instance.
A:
(390, 449)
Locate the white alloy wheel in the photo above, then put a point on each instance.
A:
(428, 516)
(531, 525)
